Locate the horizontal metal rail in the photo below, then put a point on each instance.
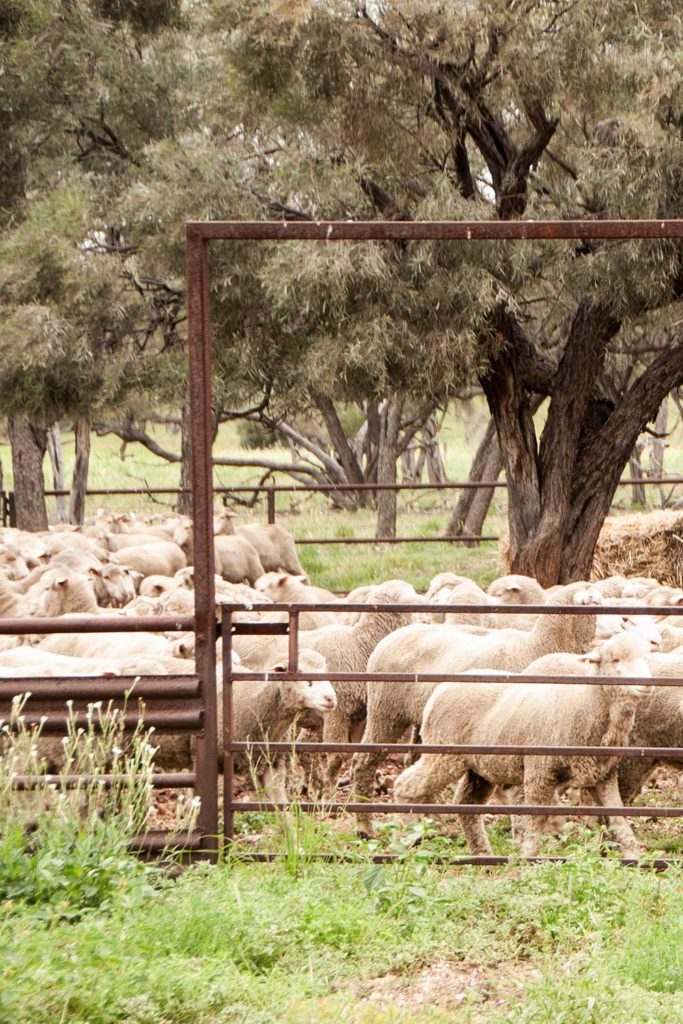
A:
(97, 624)
(95, 688)
(496, 810)
(457, 677)
(450, 609)
(294, 747)
(159, 780)
(437, 230)
(158, 841)
(52, 722)
(446, 485)
(421, 539)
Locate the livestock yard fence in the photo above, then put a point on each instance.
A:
(8, 510)
(290, 628)
(182, 703)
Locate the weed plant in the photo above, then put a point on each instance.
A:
(64, 843)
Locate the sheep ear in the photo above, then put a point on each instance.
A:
(594, 657)
(281, 666)
(281, 580)
(302, 578)
(677, 601)
(60, 581)
(94, 571)
(512, 586)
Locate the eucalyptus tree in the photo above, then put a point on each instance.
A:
(485, 109)
(85, 86)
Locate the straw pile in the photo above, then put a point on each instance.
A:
(641, 544)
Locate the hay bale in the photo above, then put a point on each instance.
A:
(640, 544)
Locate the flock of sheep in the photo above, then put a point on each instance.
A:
(141, 565)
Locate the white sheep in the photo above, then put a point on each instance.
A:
(394, 708)
(533, 715)
(265, 711)
(275, 545)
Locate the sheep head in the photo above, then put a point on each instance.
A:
(306, 695)
(623, 655)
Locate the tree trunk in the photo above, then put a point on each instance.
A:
(638, 496)
(185, 497)
(436, 469)
(28, 442)
(658, 448)
(340, 442)
(546, 505)
(473, 504)
(386, 466)
(79, 482)
(55, 451)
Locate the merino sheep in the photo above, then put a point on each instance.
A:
(516, 590)
(275, 545)
(265, 711)
(533, 715)
(392, 709)
(155, 586)
(114, 585)
(236, 558)
(161, 558)
(58, 594)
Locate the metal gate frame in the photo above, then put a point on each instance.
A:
(198, 236)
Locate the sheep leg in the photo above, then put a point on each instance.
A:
(474, 790)
(310, 762)
(539, 788)
(337, 728)
(607, 794)
(426, 779)
(379, 729)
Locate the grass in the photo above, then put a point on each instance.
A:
(259, 944)
(89, 936)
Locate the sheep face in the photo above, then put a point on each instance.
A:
(623, 655)
(223, 522)
(516, 590)
(57, 594)
(114, 585)
(643, 625)
(588, 595)
(13, 564)
(185, 577)
(307, 695)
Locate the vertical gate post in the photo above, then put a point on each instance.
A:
(201, 441)
(227, 737)
(270, 497)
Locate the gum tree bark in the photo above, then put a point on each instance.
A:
(56, 453)
(28, 442)
(470, 513)
(560, 490)
(390, 429)
(79, 482)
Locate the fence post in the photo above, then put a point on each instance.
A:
(227, 738)
(12, 508)
(270, 496)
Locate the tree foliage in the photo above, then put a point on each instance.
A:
(155, 113)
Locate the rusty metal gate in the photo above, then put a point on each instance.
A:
(290, 628)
